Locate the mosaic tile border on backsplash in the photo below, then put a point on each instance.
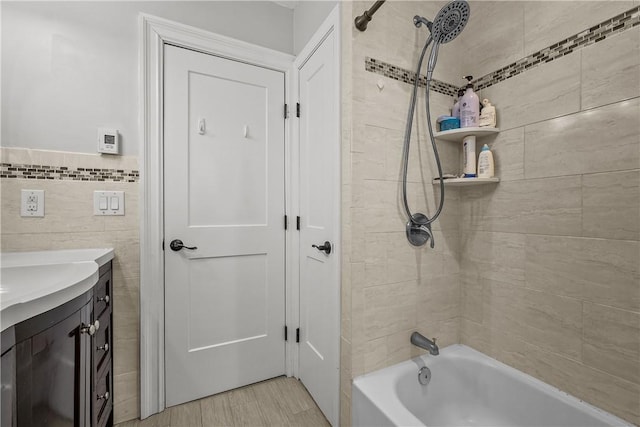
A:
(595, 34)
(23, 171)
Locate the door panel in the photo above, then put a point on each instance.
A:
(319, 191)
(224, 194)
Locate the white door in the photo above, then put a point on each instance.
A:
(319, 205)
(224, 194)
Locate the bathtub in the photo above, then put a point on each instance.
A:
(467, 388)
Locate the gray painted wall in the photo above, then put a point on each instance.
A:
(307, 17)
(71, 67)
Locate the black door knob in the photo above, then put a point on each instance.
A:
(326, 248)
(177, 244)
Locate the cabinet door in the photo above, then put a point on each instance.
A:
(7, 372)
(53, 374)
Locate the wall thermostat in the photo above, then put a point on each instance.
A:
(108, 141)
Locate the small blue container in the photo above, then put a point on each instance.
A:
(449, 123)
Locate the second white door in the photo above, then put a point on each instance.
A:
(225, 197)
(319, 230)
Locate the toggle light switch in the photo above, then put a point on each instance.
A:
(108, 203)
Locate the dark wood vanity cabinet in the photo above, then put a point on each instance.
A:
(101, 350)
(56, 367)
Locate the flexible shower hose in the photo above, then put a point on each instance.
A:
(407, 143)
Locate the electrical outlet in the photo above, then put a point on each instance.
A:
(32, 204)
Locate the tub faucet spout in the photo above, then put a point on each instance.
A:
(423, 342)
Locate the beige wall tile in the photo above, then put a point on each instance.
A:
(576, 144)
(399, 347)
(620, 397)
(445, 331)
(62, 158)
(507, 148)
(542, 93)
(438, 298)
(375, 356)
(345, 410)
(548, 321)
(611, 341)
(526, 207)
(501, 42)
(389, 308)
(472, 298)
(68, 207)
(126, 401)
(548, 22)
(495, 256)
(345, 367)
(50, 241)
(600, 271)
(476, 335)
(611, 205)
(611, 69)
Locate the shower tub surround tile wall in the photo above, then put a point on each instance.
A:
(390, 288)
(549, 257)
(69, 223)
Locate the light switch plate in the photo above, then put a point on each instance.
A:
(32, 203)
(108, 203)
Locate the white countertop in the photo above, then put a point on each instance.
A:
(34, 282)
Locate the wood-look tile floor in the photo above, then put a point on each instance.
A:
(280, 401)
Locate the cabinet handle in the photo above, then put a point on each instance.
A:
(104, 347)
(104, 298)
(90, 329)
(104, 396)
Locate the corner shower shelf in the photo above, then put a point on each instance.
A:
(463, 182)
(456, 135)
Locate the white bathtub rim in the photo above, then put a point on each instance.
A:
(390, 405)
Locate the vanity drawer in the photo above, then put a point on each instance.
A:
(102, 344)
(102, 400)
(102, 298)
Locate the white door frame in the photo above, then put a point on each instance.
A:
(330, 25)
(154, 34)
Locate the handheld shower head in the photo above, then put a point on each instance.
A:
(450, 21)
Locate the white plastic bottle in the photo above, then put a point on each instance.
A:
(487, 115)
(455, 111)
(469, 106)
(469, 156)
(485, 163)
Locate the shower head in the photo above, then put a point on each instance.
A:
(450, 21)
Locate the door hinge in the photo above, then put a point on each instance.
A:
(297, 334)
(286, 334)
(297, 109)
(297, 223)
(163, 244)
(286, 222)
(286, 111)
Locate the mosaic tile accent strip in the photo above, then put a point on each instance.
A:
(12, 170)
(406, 76)
(595, 34)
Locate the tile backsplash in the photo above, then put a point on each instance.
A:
(69, 180)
